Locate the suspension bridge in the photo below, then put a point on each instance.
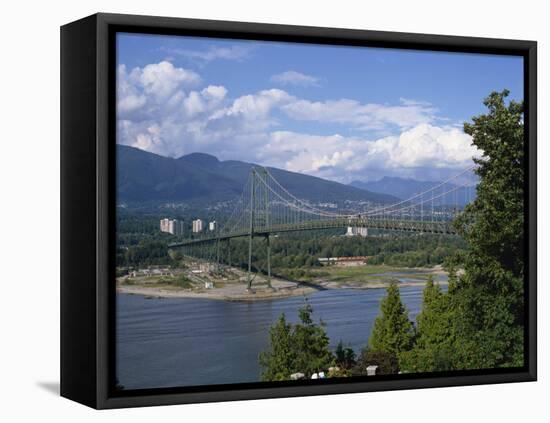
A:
(265, 208)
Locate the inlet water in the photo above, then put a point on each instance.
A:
(172, 342)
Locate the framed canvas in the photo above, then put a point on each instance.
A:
(257, 211)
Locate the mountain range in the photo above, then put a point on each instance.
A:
(144, 177)
(404, 188)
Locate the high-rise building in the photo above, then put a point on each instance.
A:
(212, 226)
(164, 224)
(197, 225)
(172, 226)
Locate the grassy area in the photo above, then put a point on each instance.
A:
(351, 274)
(367, 269)
(179, 281)
(357, 274)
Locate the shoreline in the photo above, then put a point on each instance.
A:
(259, 295)
(237, 292)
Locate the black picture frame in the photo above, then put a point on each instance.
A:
(88, 216)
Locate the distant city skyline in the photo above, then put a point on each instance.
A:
(340, 113)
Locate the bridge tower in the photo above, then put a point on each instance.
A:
(259, 218)
(264, 174)
(252, 207)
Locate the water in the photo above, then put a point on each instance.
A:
(184, 342)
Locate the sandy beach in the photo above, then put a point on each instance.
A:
(230, 292)
(281, 288)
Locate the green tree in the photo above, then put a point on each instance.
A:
(433, 347)
(303, 347)
(312, 344)
(392, 331)
(280, 361)
(489, 295)
(479, 322)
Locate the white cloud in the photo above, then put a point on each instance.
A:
(348, 158)
(129, 97)
(206, 100)
(131, 102)
(364, 116)
(427, 146)
(159, 111)
(258, 105)
(156, 86)
(215, 92)
(247, 115)
(162, 79)
(295, 78)
(162, 110)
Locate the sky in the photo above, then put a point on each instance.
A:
(340, 113)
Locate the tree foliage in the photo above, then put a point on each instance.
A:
(280, 362)
(312, 344)
(303, 347)
(489, 295)
(433, 346)
(479, 323)
(392, 331)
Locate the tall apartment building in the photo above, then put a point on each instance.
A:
(172, 226)
(164, 224)
(197, 225)
(212, 226)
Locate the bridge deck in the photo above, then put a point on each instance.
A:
(438, 227)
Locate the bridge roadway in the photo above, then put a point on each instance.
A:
(437, 227)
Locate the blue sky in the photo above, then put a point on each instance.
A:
(341, 113)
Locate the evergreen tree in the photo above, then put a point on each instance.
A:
(393, 331)
(280, 361)
(433, 347)
(303, 347)
(479, 323)
(489, 295)
(312, 344)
